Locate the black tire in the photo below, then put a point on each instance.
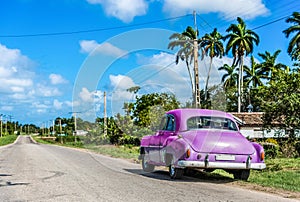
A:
(175, 173)
(241, 175)
(145, 165)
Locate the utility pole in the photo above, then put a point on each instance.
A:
(1, 123)
(196, 69)
(53, 130)
(75, 126)
(6, 124)
(104, 118)
(60, 131)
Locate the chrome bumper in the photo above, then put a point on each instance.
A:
(221, 165)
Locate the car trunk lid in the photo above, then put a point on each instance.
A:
(218, 141)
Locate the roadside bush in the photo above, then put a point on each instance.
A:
(271, 149)
(297, 148)
(129, 140)
(288, 149)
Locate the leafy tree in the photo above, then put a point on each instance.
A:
(142, 107)
(240, 41)
(213, 46)
(294, 45)
(281, 101)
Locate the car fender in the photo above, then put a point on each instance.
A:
(176, 147)
(145, 141)
(259, 150)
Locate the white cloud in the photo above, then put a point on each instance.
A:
(10, 58)
(124, 10)
(86, 95)
(15, 76)
(57, 104)
(7, 108)
(47, 91)
(247, 9)
(91, 46)
(56, 79)
(90, 96)
(121, 82)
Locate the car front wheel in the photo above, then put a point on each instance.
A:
(146, 166)
(241, 175)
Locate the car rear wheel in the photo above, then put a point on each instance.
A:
(241, 175)
(146, 166)
(175, 173)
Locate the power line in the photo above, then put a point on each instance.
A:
(269, 23)
(93, 30)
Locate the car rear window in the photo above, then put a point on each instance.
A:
(200, 122)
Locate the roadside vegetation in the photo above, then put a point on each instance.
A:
(7, 139)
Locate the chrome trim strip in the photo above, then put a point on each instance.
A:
(225, 165)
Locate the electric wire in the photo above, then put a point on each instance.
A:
(93, 30)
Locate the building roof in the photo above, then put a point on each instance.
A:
(250, 118)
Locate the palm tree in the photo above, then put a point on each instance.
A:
(254, 74)
(188, 43)
(185, 53)
(294, 45)
(212, 46)
(269, 63)
(240, 42)
(229, 79)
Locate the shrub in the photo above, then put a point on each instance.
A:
(288, 148)
(271, 149)
(297, 148)
(129, 140)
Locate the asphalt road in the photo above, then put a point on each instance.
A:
(36, 172)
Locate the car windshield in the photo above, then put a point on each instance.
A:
(200, 122)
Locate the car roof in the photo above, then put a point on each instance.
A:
(181, 115)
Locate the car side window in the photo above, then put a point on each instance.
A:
(163, 123)
(170, 123)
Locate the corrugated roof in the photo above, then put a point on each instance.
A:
(250, 118)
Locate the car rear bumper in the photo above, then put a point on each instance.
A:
(221, 165)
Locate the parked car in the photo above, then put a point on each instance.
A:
(202, 139)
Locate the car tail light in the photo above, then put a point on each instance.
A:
(262, 156)
(188, 153)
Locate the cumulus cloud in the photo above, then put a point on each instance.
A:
(56, 79)
(47, 91)
(121, 82)
(91, 46)
(124, 10)
(246, 9)
(15, 76)
(90, 96)
(57, 104)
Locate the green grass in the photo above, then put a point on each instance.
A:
(126, 152)
(281, 173)
(8, 139)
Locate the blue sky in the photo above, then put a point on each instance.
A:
(60, 56)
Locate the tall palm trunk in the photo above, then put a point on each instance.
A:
(207, 79)
(196, 75)
(240, 83)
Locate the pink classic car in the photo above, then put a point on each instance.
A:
(202, 139)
